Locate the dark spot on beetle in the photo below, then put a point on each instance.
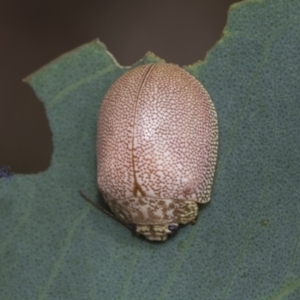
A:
(173, 227)
(171, 205)
(142, 202)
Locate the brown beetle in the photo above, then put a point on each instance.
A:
(157, 148)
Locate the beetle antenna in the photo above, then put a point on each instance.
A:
(106, 211)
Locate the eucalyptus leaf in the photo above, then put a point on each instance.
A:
(245, 245)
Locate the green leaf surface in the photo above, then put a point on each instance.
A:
(245, 245)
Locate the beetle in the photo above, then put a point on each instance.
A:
(157, 144)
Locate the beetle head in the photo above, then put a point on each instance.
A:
(157, 232)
